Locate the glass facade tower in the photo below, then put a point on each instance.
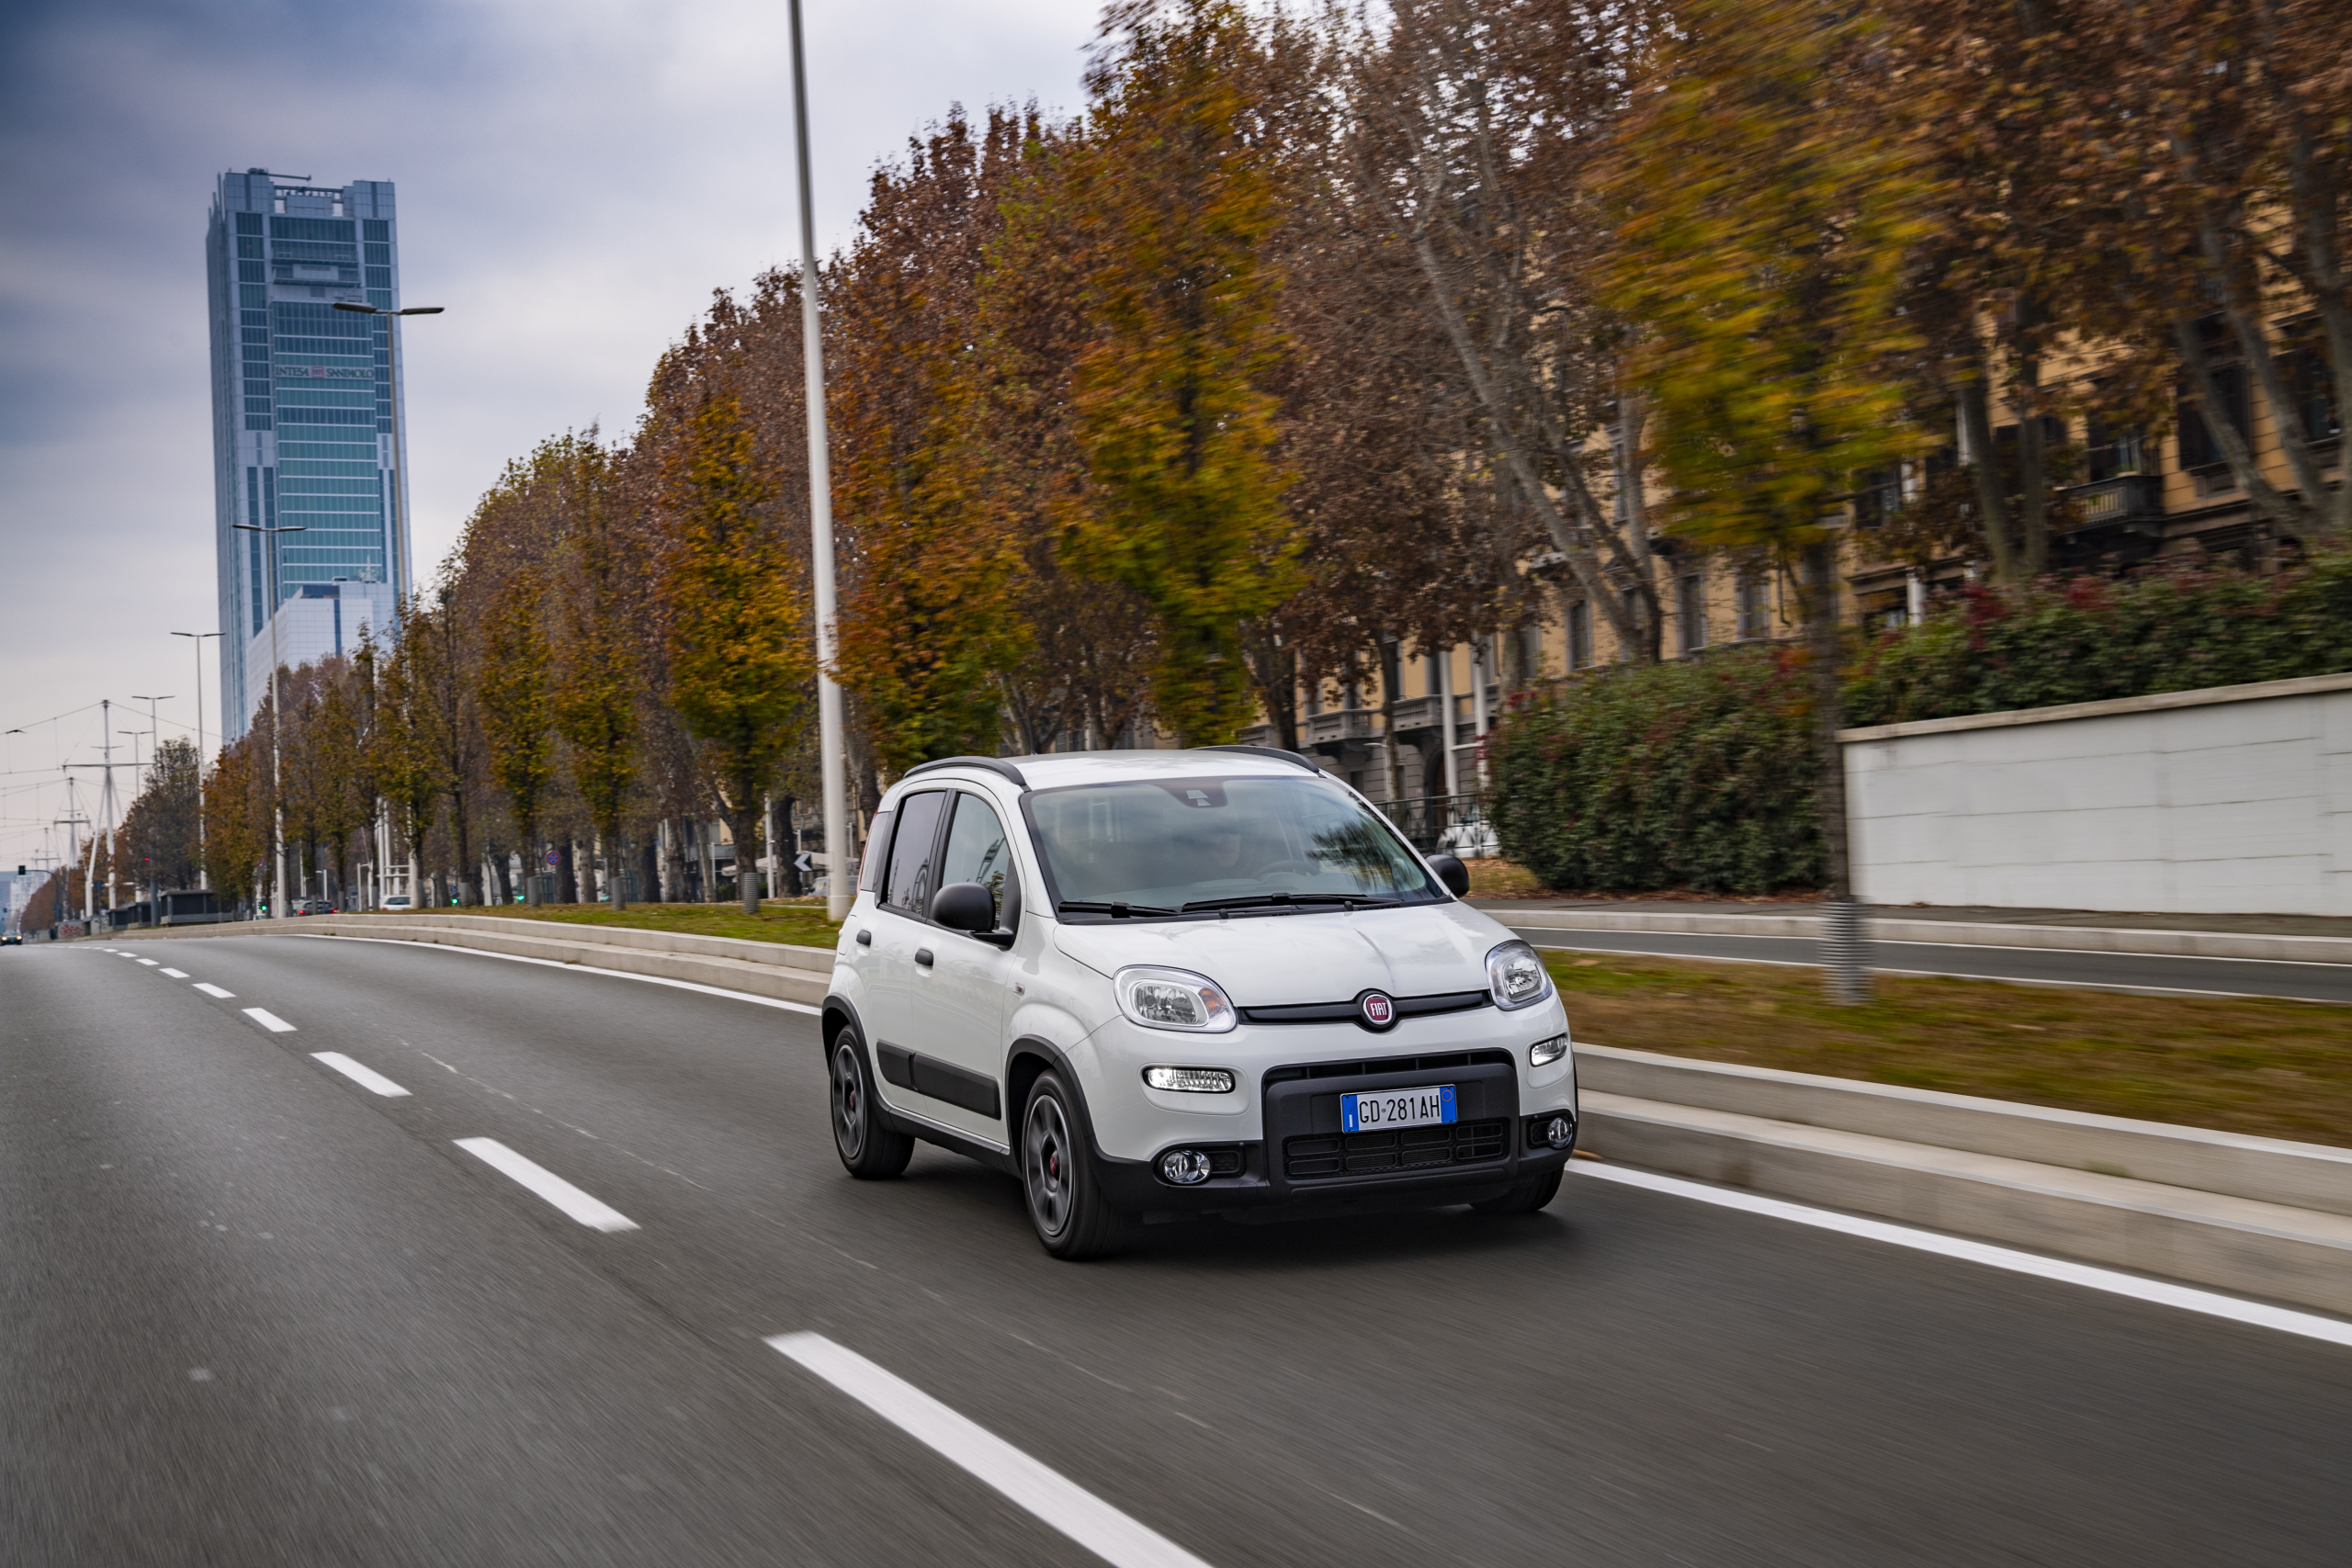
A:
(302, 418)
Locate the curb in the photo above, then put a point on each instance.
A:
(2257, 1216)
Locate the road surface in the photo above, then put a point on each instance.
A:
(258, 1311)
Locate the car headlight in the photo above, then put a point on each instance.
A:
(1544, 1053)
(1516, 975)
(1174, 998)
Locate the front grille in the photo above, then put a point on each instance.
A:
(1413, 1148)
(1441, 1062)
(1348, 1013)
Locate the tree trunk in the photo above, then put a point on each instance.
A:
(648, 872)
(1984, 465)
(1845, 962)
(567, 872)
(1392, 669)
(2033, 477)
(789, 865)
(616, 865)
(743, 824)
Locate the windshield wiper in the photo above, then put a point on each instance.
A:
(1116, 911)
(1275, 900)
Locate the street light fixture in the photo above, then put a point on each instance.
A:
(203, 872)
(400, 451)
(277, 807)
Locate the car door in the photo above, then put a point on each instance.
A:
(899, 930)
(960, 996)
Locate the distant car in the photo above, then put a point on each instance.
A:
(400, 901)
(10, 939)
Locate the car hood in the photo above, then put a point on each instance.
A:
(1284, 960)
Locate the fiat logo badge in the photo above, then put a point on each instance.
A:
(1378, 1009)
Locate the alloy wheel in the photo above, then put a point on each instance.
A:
(1045, 1164)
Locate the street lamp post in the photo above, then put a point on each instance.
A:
(276, 805)
(400, 452)
(830, 767)
(203, 870)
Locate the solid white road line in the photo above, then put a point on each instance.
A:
(270, 1020)
(176, 973)
(365, 1077)
(1069, 1508)
(2187, 1298)
(581, 969)
(588, 1211)
(212, 990)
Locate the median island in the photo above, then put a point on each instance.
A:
(792, 922)
(2275, 1069)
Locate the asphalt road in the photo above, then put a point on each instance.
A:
(2111, 971)
(252, 1312)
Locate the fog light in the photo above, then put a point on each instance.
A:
(1190, 1081)
(1184, 1166)
(1559, 1132)
(1544, 1053)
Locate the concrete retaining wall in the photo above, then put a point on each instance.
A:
(2236, 799)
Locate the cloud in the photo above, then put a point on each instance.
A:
(574, 179)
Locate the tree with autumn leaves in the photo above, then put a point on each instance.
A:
(1309, 347)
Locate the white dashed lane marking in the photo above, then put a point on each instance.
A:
(365, 1077)
(176, 973)
(1053, 1497)
(150, 963)
(270, 1020)
(212, 990)
(590, 1211)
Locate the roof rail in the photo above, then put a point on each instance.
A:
(1309, 764)
(993, 765)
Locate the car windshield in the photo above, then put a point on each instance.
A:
(1196, 845)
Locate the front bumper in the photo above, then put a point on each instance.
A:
(1309, 1161)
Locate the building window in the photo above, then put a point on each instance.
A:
(1581, 634)
(2310, 388)
(1755, 610)
(2115, 450)
(1691, 609)
(2199, 449)
(1878, 495)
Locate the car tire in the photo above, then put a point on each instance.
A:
(869, 1151)
(1525, 1199)
(1066, 1208)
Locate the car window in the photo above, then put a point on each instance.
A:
(878, 842)
(976, 849)
(910, 883)
(1236, 841)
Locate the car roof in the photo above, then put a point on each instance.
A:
(1058, 770)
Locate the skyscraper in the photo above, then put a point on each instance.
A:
(302, 402)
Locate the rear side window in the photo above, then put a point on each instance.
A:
(910, 883)
(877, 843)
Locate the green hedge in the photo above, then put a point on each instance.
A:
(2090, 638)
(1697, 774)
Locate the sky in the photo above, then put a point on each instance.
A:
(574, 179)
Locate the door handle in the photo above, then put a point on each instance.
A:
(865, 939)
(922, 956)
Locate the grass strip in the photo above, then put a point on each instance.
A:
(2276, 1069)
(798, 925)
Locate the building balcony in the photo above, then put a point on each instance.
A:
(2130, 499)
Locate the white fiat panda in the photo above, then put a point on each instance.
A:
(1153, 985)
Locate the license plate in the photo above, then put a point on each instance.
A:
(1427, 1107)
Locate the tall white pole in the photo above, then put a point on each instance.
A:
(829, 761)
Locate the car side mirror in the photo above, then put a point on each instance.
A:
(1453, 873)
(965, 907)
